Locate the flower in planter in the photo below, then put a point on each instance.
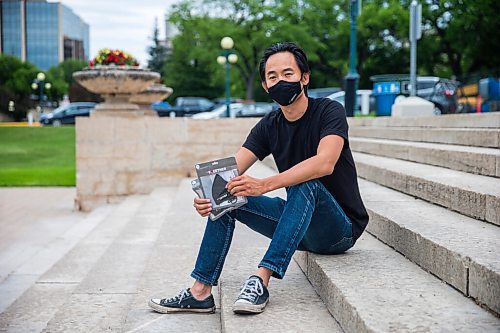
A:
(113, 57)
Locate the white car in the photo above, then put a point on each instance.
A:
(362, 101)
(219, 112)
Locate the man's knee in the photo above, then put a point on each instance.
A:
(309, 185)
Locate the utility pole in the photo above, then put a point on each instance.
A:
(415, 34)
(351, 80)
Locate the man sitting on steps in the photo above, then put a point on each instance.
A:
(323, 212)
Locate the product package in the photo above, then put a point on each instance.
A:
(211, 184)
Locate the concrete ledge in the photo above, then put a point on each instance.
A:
(371, 288)
(457, 249)
(119, 155)
(481, 161)
(468, 120)
(472, 195)
(455, 136)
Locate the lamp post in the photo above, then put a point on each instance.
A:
(39, 84)
(227, 57)
(352, 77)
(415, 33)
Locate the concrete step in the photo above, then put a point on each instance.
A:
(480, 161)
(37, 305)
(293, 305)
(102, 298)
(372, 288)
(173, 259)
(27, 259)
(475, 137)
(469, 120)
(472, 195)
(458, 249)
(168, 270)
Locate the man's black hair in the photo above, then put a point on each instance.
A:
(298, 53)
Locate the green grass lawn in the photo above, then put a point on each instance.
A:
(37, 156)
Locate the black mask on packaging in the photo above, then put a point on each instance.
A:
(219, 191)
(285, 93)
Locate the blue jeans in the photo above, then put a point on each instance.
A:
(309, 220)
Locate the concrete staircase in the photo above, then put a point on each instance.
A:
(146, 247)
(428, 262)
(429, 259)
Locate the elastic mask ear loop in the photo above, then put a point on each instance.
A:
(304, 86)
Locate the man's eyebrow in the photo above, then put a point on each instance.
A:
(287, 69)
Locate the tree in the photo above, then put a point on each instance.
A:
(16, 78)
(157, 52)
(66, 69)
(15, 84)
(464, 34)
(251, 24)
(64, 84)
(458, 38)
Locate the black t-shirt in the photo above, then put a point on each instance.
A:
(293, 142)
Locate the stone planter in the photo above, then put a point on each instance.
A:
(154, 93)
(116, 84)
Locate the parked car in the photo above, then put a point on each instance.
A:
(365, 101)
(222, 100)
(66, 114)
(187, 106)
(441, 92)
(322, 92)
(220, 112)
(254, 110)
(161, 106)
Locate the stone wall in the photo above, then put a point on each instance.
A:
(119, 155)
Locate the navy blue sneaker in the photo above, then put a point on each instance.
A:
(184, 302)
(253, 297)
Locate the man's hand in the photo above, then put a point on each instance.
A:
(246, 186)
(202, 206)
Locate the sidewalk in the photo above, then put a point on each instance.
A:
(34, 234)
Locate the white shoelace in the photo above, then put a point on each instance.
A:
(182, 294)
(251, 289)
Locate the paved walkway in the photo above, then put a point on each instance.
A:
(34, 233)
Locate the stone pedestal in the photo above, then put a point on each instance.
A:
(129, 154)
(156, 92)
(116, 84)
(413, 107)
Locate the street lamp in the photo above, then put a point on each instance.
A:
(352, 77)
(227, 57)
(39, 84)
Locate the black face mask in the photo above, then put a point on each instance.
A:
(285, 93)
(219, 191)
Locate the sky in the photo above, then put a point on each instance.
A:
(122, 24)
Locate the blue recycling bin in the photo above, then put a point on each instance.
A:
(489, 90)
(385, 93)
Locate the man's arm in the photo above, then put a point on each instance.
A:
(322, 164)
(245, 159)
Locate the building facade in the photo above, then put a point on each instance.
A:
(43, 33)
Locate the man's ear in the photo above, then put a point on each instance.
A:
(264, 85)
(305, 78)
